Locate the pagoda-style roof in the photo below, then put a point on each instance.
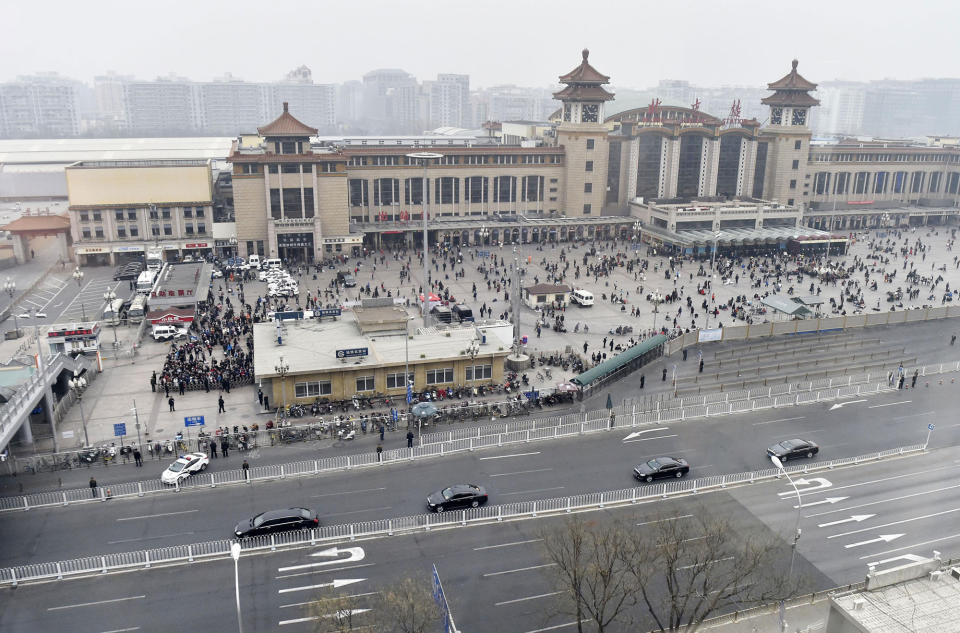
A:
(287, 125)
(583, 93)
(792, 81)
(584, 73)
(791, 90)
(27, 223)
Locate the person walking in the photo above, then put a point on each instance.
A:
(93, 487)
(213, 448)
(379, 452)
(153, 382)
(260, 396)
(171, 402)
(381, 431)
(900, 382)
(221, 408)
(913, 380)
(664, 378)
(137, 457)
(409, 439)
(246, 470)
(183, 387)
(224, 446)
(643, 379)
(953, 339)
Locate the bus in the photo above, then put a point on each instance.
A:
(138, 309)
(113, 311)
(145, 281)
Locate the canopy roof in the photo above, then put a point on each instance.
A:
(613, 364)
(286, 125)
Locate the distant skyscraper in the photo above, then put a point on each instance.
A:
(42, 105)
(165, 107)
(450, 101)
(349, 101)
(513, 103)
(377, 91)
(108, 89)
(841, 108)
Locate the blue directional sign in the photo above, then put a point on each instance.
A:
(483, 254)
(409, 393)
(930, 426)
(290, 315)
(327, 312)
(441, 600)
(352, 352)
(120, 429)
(193, 420)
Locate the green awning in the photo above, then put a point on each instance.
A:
(623, 358)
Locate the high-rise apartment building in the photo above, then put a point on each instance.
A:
(349, 101)
(841, 108)
(450, 101)
(513, 103)
(165, 107)
(39, 105)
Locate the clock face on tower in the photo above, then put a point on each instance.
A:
(799, 117)
(590, 112)
(776, 116)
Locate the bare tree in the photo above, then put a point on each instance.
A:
(590, 568)
(407, 607)
(687, 571)
(340, 613)
(666, 573)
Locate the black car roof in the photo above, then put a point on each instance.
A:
(464, 488)
(280, 514)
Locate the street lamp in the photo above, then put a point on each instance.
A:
(425, 158)
(796, 532)
(713, 260)
(484, 232)
(110, 296)
(78, 384)
(636, 233)
(657, 299)
(10, 287)
(235, 555)
(282, 368)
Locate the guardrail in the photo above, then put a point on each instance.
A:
(180, 554)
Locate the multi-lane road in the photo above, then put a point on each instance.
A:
(494, 574)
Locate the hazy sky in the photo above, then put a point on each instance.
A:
(523, 42)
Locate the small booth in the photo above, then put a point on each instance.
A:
(77, 338)
(546, 295)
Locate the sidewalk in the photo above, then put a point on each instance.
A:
(806, 618)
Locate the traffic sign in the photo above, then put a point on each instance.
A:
(930, 426)
(193, 420)
(327, 312)
(120, 429)
(441, 600)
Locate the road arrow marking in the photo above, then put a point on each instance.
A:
(639, 433)
(840, 404)
(345, 613)
(854, 517)
(827, 500)
(336, 584)
(913, 558)
(353, 554)
(820, 481)
(885, 538)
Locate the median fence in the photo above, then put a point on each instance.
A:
(180, 554)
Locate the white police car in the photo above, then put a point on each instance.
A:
(185, 466)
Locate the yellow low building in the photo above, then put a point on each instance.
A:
(302, 360)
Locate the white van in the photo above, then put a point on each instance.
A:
(167, 332)
(581, 297)
(253, 261)
(272, 263)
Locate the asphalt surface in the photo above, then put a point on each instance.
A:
(513, 473)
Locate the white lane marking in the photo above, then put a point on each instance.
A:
(148, 538)
(780, 420)
(877, 527)
(298, 620)
(303, 604)
(132, 628)
(889, 404)
(559, 626)
(856, 518)
(348, 492)
(339, 614)
(511, 455)
(340, 514)
(324, 571)
(523, 492)
(523, 472)
(913, 558)
(900, 549)
(639, 433)
(827, 500)
(336, 583)
(886, 538)
(913, 415)
(93, 604)
(353, 554)
(537, 597)
(513, 571)
(873, 503)
(841, 404)
(709, 562)
(823, 484)
(647, 439)
(154, 516)
(677, 518)
(533, 540)
(876, 481)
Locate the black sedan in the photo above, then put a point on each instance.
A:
(660, 468)
(275, 521)
(457, 496)
(790, 449)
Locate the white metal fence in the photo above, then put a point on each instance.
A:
(180, 554)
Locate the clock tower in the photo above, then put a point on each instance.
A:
(786, 139)
(583, 135)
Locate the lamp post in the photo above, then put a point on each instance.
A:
(235, 555)
(484, 232)
(110, 296)
(796, 532)
(282, 368)
(136, 418)
(425, 158)
(78, 384)
(10, 287)
(657, 299)
(713, 261)
(636, 233)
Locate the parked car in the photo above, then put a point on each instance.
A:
(462, 313)
(274, 521)
(457, 496)
(185, 466)
(791, 449)
(346, 279)
(661, 468)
